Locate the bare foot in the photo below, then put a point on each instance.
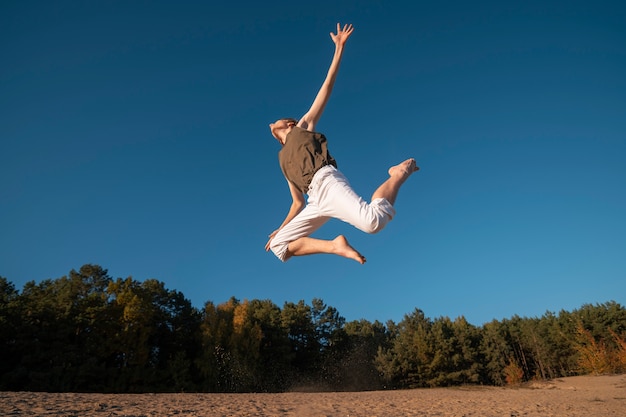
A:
(342, 247)
(403, 169)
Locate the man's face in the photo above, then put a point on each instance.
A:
(279, 125)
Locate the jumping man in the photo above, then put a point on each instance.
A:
(310, 169)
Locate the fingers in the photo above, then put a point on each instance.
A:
(347, 28)
(342, 35)
(271, 237)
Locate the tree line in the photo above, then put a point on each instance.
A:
(89, 332)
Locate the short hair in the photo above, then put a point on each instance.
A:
(290, 119)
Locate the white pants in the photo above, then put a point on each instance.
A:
(330, 195)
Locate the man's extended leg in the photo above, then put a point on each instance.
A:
(337, 246)
(397, 175)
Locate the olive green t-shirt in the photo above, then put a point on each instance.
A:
(303, 154)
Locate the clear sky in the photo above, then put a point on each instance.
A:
(134, 135)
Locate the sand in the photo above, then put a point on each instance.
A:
(584, 396)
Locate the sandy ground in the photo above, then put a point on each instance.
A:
(584, 396)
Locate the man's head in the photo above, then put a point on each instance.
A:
(281, 127)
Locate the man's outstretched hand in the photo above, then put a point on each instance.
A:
(342, 35)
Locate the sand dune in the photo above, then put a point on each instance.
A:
(584, 396)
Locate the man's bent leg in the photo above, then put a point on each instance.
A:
(305, 223)
(338, 246)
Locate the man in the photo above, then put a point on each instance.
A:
(310, 169)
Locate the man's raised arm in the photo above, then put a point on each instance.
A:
(310, 119)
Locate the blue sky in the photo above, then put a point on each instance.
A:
(134, 135)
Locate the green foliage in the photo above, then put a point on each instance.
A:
(356, 369)
(429, 353)
(9, 328)
(600, 348)
(89, 332)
